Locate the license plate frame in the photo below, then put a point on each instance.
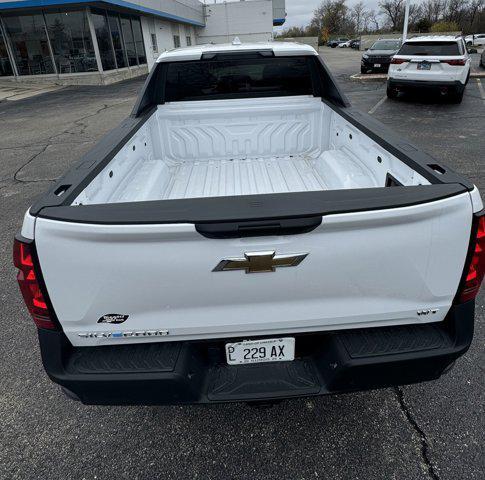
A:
(266, 350)
(424, 66)
(377, 65)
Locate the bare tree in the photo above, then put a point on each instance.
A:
(358, 15)
(393, 11)
(371, 20)
(332, 15)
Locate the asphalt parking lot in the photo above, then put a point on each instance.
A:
(432, 430)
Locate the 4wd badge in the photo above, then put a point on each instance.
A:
(113, 318)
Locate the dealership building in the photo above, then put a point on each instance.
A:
(100, 42)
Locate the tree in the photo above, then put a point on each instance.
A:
(393, 10)
(371, 20)
(423, 25)
(445, 27)
(357, 14)
(334, 16)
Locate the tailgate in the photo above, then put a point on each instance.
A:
(375, 268)
(427, 69)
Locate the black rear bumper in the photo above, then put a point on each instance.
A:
(455, 86)
(196, 372)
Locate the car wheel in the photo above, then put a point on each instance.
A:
(469, 43)
(392, 93)
(363, 70)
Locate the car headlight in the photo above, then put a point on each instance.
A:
(365, 56)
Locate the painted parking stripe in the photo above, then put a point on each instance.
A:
(480, 87)
(377, 105)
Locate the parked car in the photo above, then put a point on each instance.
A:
(337, 41)
(436, 62)
(236, 219)
(476, 40)
(482, 59)
(347, 44)
(355, 44)
(378, 57)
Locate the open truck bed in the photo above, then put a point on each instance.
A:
(247, 160)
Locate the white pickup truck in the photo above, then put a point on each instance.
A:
(246, 235)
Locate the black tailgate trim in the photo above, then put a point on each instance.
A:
(252, 207)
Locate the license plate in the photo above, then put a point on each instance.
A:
(257, 351)
(377, 65)
(424, 66)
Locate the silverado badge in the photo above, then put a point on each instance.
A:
(257, 262)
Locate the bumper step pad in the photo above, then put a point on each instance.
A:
(245, 382)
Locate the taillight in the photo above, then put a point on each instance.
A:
(459, 62)
(475, 269)
(397, 61)
(23, 259)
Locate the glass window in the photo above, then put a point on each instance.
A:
(154, 42)
(430, 48)
(29, 44)
(71, 42)
(140, 47)
(386, 45)
(176, 41)
(104, 41)
(129, 40)
(188, 40)
(249, 77)
(115, 27)
(5, 65)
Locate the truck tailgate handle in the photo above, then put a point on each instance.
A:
(286, 226)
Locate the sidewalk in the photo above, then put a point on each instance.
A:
(10, 91)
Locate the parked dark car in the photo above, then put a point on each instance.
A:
(378, 57)
(355, 44)
(335, 42)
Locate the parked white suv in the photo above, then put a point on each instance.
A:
(438, 62)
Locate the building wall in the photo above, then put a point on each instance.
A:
(248, 20)
(164, 32)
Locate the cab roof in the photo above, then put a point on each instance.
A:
(195, 52)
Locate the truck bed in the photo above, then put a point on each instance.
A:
(227, 148)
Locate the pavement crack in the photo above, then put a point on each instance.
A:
(425, 449)
(30, 160)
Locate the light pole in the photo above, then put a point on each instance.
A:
(406, 21)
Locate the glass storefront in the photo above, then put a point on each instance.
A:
(5, 65)
(71, 42)
(129, 40)
(117, 39)
(28, 38)
(59, 41)
(101, 28)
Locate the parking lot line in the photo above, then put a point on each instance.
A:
(377, 105)
(482, 91)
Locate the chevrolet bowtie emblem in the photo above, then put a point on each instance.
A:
(256, 262)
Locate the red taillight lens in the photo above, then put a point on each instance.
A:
(397, 61)
(476, 267)
(459, 62)
(23, 259)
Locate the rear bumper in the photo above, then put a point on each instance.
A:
(196, 372)
(455, 85)
(369, 64)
